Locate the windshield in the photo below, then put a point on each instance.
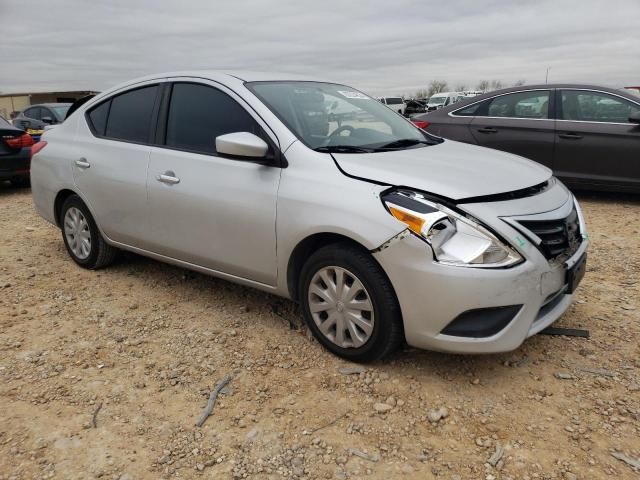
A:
(326, 115)
(437, 100)
(60, 111)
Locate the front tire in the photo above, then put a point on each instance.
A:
(81, 236)
(349, 304)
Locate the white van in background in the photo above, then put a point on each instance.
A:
(443, 99)
(394, 103)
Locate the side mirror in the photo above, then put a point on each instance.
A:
(242, 144)
(635, 117)
(47, 120)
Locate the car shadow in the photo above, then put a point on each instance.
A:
(7, 188)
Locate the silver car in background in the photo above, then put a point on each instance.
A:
(382, 232)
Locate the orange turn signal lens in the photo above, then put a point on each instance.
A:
(414, 222)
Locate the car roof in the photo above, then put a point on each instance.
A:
(51, 104)
(541, 86)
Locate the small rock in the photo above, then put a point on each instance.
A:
(352, 370)
(382, 407)
(475, 381)
(563, 376)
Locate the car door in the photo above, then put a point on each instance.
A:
(595, 142)
(517, 122)
(110, 158)
(207, 209)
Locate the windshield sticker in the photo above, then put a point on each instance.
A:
(352, 94)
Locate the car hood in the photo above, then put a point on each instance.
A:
(450, 169)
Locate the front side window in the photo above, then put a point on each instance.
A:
(199, 113)
(35, 113)
(326, 115)
(130, 115)
(589, 106)
(533, 104)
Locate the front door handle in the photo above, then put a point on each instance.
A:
(82, 163)
(487, 130)
(570, 136)
(168, 177)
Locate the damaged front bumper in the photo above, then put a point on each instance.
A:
(474, 310)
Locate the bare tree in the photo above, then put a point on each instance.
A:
(496, 85)
(519, 83)
(483, 85)
(461, 87)
(436, 86)
(422, 93)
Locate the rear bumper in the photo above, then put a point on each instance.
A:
(15, 164)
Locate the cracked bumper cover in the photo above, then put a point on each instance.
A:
(432, 295)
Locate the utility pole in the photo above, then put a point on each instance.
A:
(546, 78)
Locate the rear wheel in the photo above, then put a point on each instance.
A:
(349, 303)
(81, 236)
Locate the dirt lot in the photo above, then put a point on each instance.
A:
(147, 342)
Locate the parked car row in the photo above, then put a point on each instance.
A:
(588, 135)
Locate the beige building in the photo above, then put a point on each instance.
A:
(15, 102)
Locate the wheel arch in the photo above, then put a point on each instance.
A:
(304, 249)
(59, 201)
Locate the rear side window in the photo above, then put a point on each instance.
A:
(130, 115)
(469, 111)
(199, 113)
(98, 118)
(520, 105)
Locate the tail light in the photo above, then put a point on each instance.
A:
(37, 147)
(24, 140)
(420, 123)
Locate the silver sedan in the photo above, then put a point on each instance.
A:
(317, 192)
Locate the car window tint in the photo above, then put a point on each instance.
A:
(98, 117)
(596, 107)
(199, 113)
(35, 113)
(521, 105)
(130, 115)
(469, 111)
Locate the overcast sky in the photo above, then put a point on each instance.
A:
(383, 47)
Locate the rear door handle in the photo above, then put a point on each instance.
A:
(570, 136)
(82, 163)
(487, 130)
(168, 177)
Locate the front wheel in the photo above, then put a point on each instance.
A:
(349, 303)
(81, 236)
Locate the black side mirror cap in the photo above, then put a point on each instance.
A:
(635, 117)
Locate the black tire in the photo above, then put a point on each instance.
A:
(21, 182)
(101, 253)
(388, 333)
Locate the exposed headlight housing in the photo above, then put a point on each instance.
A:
(454, 239)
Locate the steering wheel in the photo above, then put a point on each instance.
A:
(341, 129)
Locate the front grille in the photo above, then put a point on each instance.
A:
(560, 238)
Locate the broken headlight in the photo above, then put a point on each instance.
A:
(455, 239)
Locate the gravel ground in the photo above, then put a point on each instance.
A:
(104, 374)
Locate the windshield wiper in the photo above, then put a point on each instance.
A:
(343, 149)
(404, 142)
